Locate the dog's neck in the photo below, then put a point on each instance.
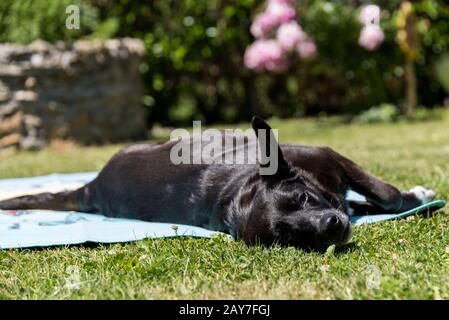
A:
(229, 184)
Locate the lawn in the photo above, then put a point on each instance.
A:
(398, 260)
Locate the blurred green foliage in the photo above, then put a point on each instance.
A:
(193, 67)
(442, 70)
(384, 113)
(194, 63)
(26, 20)
(389, 113)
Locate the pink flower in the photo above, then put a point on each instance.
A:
(265, 55)
(262, 24)
(277, 65)
(283, 12)
(371, 37)
(288, 2)
(289, 34)
(370, 14)
(307, 49)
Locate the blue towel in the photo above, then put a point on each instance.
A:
(358, 220)
(41, 228)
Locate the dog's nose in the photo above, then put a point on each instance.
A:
(331, 221)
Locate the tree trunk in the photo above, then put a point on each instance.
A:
(411, 97)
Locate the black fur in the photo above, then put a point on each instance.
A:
(301, 205)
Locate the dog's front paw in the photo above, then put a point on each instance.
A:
(422, 194)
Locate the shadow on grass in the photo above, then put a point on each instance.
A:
(92, 245)
(347, 248)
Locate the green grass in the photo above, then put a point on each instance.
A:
(411, 256)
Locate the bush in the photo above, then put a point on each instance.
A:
(388, 113)
(27, 20)
(194, 68)
(384, 113)
(442, 70)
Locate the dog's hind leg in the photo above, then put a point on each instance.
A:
(380, 195)
(76, 200)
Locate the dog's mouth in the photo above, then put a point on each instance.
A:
(339, 233)
(338, 240)
(341, 238)
(346, 236)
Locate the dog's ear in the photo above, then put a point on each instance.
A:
(267, 143)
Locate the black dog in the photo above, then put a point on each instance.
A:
(302, 204)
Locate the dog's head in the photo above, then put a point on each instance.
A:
(286, 208)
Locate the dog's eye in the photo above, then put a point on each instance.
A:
(294, 203)
(299, 201)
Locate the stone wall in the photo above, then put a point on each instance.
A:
(88, 91)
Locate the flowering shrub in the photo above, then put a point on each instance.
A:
(196, 68)
(372, 35)
(278, 36)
